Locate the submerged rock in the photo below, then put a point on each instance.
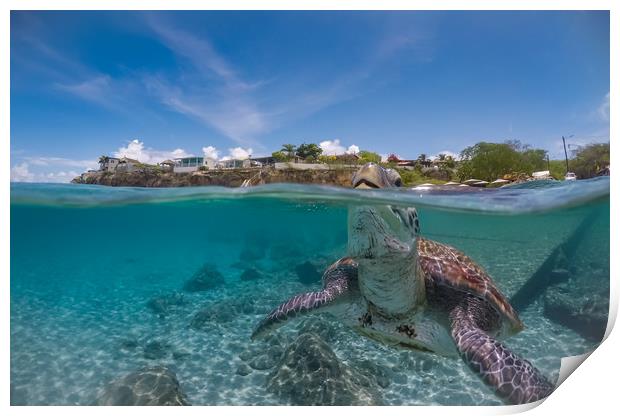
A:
(156, 350)
(309, 373)
(580, 306)
(318, 325)
(251, 274)
(382, 375)
(165, 304)
(129, 344)
(206, 278)
(267, 359)
(218, 312)
(154, 386)
(308, 273)
(243, 370)
(261, 357)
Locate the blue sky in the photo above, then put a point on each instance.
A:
(155, 85)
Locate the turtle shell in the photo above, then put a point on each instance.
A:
(447, 266)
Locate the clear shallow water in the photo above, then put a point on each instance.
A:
(86, 261)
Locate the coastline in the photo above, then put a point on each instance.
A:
(222, 177)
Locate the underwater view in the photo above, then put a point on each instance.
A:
(151, 296)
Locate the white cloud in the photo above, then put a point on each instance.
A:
(240, 153)
(136, 150)
(333, 148)
(603, 109)
(21, 173)
(210, 152)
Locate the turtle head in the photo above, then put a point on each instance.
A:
(379, 229)
(375, 176)
(382, 239)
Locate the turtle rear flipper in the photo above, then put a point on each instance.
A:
(514, 379)
(339, 286)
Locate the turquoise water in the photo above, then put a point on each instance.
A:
(87, 262)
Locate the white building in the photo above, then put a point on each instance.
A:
(108, 164)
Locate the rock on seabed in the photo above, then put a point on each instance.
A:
(154, 386)
(310, 374)
(206, 278)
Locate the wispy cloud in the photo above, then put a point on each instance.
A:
(243, 109)
(218, 97)
(60, 161)
(233, 115)
(96, 90)
(603, 109)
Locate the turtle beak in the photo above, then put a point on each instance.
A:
(365, 185)
(369, 176)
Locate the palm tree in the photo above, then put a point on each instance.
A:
(103, 160)
(289, 149)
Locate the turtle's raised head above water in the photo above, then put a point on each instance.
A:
(409, 292)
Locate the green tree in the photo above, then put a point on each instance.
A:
(368, 156)
(280, 156)
(289, 149)
(589, 160)
(557, 168)
(309, 151)
(450, 162)
(489, 161)
(533, 160)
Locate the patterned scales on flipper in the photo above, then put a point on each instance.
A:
(339, 286)
(446, 266)
(514, 379)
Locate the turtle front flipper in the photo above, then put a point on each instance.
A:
(339, 287)
(514, 379)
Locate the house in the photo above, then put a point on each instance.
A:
(263, 161)
(408, 162)
(234, 163)
(126, 164)
(188, 164)
(108, 164)
(192, 164)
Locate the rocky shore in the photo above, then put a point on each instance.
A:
(228, 177)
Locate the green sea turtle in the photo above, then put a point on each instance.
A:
(406, 291)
